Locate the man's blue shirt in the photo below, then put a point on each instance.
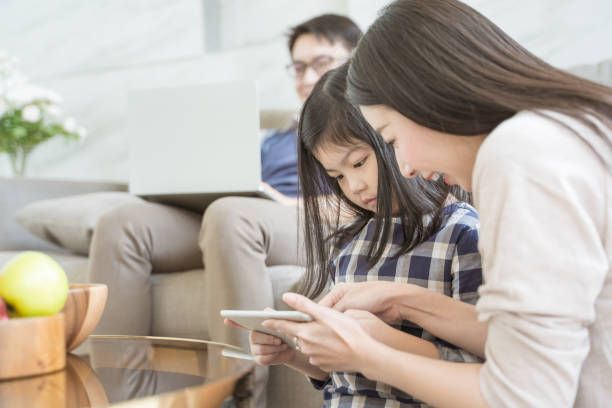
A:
(279, 161)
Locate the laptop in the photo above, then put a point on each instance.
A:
(190, 145)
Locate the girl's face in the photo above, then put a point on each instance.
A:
(420, 150)
(354, 168)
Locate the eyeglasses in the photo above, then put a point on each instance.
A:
(320, 65)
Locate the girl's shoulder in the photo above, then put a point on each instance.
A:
(459, 216)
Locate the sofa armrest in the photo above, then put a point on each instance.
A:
(17, 193)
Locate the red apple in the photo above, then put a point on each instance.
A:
(3, 312)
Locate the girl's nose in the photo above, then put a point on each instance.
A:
(357, 185)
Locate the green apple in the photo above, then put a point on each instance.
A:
(33, 284)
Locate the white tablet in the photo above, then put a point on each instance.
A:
(228, 352)
(252, 320)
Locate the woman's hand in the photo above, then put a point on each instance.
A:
(379, 298)
(333, 341)
(266, 349)
(368, 322)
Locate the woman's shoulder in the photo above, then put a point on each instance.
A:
(542, 133)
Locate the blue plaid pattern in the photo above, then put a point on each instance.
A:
(448, 263)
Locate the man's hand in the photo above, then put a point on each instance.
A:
(278, 196)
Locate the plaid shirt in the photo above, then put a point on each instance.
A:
(448, 262)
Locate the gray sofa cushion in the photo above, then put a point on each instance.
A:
(69, 222)
(17, 193)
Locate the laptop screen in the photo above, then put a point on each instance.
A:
(199, 139)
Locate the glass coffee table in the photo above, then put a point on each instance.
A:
(134, 371)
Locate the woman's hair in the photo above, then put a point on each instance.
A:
(445, 66)
(328, 118)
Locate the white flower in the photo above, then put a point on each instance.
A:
(31, 113)
(70, 125)
(51, 96)
(53, 110)
(21, 94)
(82, 132)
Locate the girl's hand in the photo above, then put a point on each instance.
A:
(333, 341)
(266, 350)
(377, 297)
(371, 324)
(269, 350)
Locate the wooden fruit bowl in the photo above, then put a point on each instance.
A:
(31, 346)
(83, 309)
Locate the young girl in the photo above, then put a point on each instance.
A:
(455, 95)
(403, 231)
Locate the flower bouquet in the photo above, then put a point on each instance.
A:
(29, 115)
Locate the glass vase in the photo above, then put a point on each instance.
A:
(19, 161)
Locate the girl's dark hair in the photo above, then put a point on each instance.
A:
(332, 27)
(327, 117)
(445, 66)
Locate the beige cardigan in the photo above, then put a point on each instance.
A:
(544, 200)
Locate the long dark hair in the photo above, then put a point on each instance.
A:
(328, 117)
(445, 66)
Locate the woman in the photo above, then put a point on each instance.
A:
(456, 96)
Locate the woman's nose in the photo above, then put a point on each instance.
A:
(408, 171)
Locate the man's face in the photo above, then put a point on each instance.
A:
(312, 58)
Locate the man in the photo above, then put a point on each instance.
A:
(239, 238)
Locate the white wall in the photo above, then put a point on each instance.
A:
(92, 52)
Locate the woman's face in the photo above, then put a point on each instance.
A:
(420, 150)
(354, 168)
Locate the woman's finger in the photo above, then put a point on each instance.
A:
(284, 326)
(334, 296)
(344, 326)
(319, 313)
